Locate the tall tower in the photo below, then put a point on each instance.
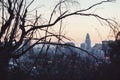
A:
(88, 42)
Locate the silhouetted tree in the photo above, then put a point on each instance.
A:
(115, 58)
(17, 26)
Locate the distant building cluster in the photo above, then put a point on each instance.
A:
(100, 51)
(96, 50)
(45, 56)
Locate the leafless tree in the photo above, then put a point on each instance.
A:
(16, 26)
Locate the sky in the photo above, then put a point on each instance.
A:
(77, 27)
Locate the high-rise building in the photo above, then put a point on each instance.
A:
(88, 42)
(83, 46)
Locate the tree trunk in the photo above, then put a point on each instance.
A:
(4, 61)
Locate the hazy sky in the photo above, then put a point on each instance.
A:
(76, 27)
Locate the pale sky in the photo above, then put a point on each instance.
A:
(76, 27)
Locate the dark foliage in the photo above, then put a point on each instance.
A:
(62, 69)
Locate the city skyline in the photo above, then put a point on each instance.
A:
(59, 39)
